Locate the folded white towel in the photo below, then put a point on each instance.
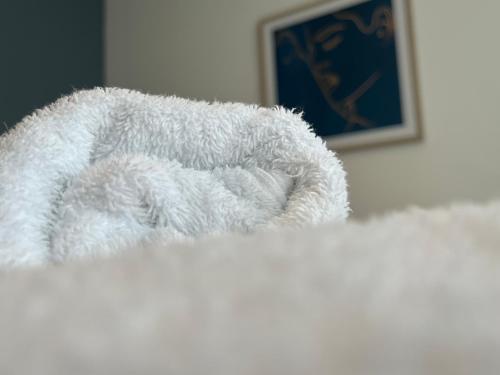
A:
(103, 169)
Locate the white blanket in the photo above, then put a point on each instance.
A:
(104, 169)
(412, 293)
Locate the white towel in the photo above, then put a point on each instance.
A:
(103, 169)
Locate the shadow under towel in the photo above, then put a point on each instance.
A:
(101, 170)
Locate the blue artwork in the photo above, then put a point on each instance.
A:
(341, 69)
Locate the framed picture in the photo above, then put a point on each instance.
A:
(348, 66)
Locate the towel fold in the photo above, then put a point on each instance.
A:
(102, 169)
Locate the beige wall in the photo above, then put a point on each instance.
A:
(207, 49)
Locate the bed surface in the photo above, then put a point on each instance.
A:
(413, 292)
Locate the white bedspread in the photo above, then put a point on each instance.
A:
(416, 292)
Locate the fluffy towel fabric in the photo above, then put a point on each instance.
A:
(412, 293)
(103, 169)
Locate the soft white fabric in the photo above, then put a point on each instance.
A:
(412, 293)
(103, 169)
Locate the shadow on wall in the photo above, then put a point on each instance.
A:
(49, 48)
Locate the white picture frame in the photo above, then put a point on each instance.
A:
(393, 61)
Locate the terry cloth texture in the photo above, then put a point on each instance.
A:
(412, 293)
(104, 169)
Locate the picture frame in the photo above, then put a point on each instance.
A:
(348, 66)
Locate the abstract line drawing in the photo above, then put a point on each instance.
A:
(329, 38)
(342, 68)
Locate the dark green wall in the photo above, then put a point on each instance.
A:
(47, 48)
